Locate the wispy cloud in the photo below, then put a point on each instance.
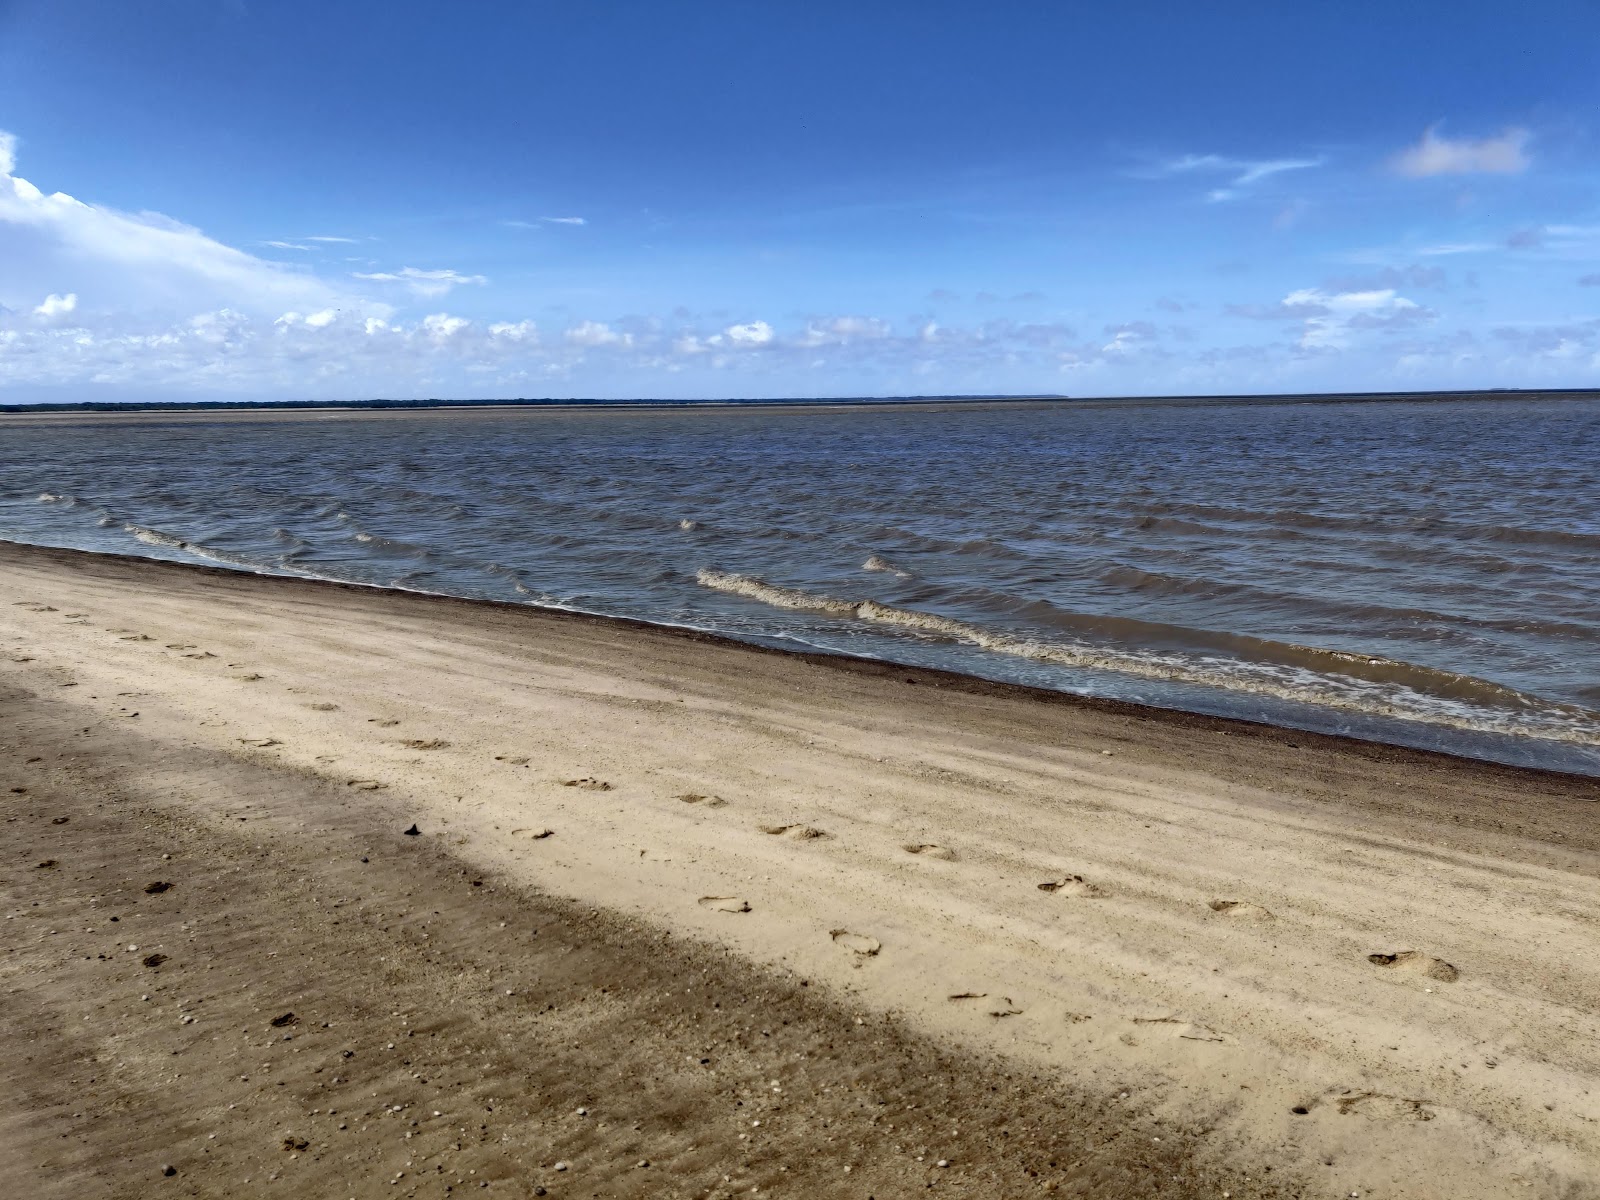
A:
(1435, 154)
(345, 240)
(56, 244)
(1244, 172)
(422, 283)
(286, 245)
(1444, 248)
(538, 221)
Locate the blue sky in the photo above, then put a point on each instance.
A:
(241, 199)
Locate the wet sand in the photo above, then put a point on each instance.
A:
(896, 917)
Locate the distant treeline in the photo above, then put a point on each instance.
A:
(524, 402)
(520, 402)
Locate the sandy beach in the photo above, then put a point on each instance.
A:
(683, 917)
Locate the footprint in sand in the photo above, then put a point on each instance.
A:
(386, 722)
(252, 677)
(365, 785)
(705, 801)
(588, 783)
(261, 743)
(1241, 910)
(323, 706)
(856, 943)
(200, 654)
(532, 834)
(799, 833)
(1073, 885)
(178, 646)
(928, 850)
(1416, 962)
(34, 606)
(425, 743)
(727, 904)
(1177, 1027)
(75, 616)
(1003, 1007)
(136, 637)
(1376, 1106)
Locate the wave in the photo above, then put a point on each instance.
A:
(1363, 683)
(1288, 519)
(1158, 584)
(157, 537)
(874, 563)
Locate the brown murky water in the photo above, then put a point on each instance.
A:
(1424, 573)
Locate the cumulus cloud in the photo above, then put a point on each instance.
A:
(422, 283)
(840, 330)
(1435, 154)
(55, 306)
(1328, 319)
(597, 333)
(519, 331)
(755, 333)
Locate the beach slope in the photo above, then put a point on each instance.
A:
(762, 921)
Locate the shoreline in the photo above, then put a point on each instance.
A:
(266, 410)
(1288, 735)
(1367, 968)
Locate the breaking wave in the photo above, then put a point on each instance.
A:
(1361, 683)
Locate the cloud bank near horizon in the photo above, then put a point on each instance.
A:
(118, 303)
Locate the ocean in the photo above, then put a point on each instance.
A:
(1413, 572)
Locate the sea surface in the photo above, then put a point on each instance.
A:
(1422, 573)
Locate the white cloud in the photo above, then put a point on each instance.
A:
(1437, 155)
(520, 331)
(54, 305)
(54, 243)
(597, 333)
(339, 240)
(836, 331)
(1334, 317)
(755, 333)
(1459, 248)
(1245, 172)
(286, 245)
(442, 326)
(538, 221)
(422, 283)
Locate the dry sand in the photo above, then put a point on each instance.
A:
(800, 925)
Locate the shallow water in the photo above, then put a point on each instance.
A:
(1423, 573)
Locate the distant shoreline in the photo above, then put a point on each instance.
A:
(915, 403)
